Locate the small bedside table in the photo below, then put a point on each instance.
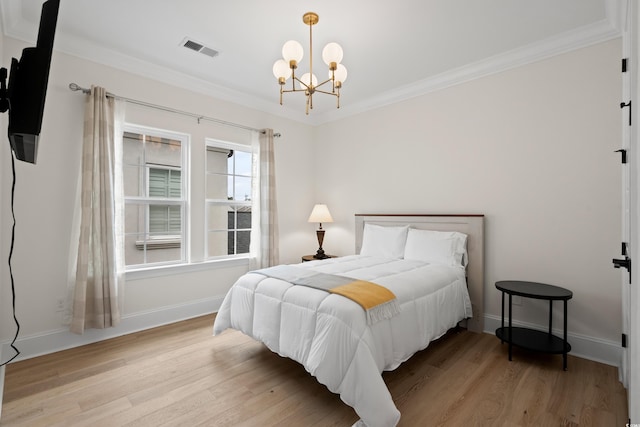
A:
(528, 338)
(306, 258)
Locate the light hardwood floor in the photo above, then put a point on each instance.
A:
(180, 375)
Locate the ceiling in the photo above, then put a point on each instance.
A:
(393, 50)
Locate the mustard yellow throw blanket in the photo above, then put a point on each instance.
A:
(377, 301)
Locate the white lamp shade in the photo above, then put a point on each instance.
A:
(292, 51)
(305, 79)
(281, 69)
(320, 213)
(332, 52)
(340, 73)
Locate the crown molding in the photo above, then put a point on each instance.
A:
(582, 37)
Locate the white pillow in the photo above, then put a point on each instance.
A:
(439, 247)
(387, 242)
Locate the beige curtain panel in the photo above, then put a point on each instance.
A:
(264, 228)
(95, 295)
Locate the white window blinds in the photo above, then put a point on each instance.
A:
(164, 219)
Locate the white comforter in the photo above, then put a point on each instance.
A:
(329, 335)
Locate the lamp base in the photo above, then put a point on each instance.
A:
(320, 254)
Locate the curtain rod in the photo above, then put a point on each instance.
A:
(74, 87)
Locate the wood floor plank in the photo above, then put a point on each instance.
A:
(180, 375)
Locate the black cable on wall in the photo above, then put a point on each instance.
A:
(13, 286)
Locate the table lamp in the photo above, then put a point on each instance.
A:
(320, 214)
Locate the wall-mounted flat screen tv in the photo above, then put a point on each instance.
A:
(27, 87)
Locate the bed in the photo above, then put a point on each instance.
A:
(433, 265)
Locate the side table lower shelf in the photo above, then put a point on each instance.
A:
(531, 339)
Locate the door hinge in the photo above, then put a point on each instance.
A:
(628, 104)
(624, 340)
(624, 65)
(624, 155)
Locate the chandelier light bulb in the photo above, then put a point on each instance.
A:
(292, 51)
(332, 52)
(281, 69)
(340, 74)
(305, 79)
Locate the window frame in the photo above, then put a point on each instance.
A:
(209, 202)
(167, 241)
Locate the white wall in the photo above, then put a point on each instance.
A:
(531, 148)
(45, 195)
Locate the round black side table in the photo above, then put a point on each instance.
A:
(531, 339)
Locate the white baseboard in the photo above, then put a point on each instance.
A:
(596, 349)
(61, 339)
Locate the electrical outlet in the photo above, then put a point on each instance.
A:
(60, 305)
(516, 300)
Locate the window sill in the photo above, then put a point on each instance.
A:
(176, 269)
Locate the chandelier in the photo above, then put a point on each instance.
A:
(293, 52)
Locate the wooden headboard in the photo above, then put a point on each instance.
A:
(471, 225)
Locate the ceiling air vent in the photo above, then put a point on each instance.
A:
(199, 47)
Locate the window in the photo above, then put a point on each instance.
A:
(228, 201)
(155, 196)
(162, 227)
